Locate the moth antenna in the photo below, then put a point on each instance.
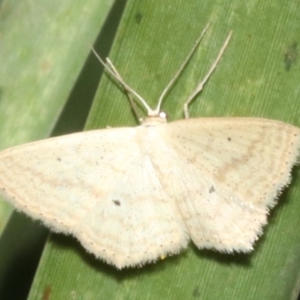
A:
(205, 79)
(150, 112)
(181, 68)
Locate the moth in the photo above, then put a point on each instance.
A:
(131, 195)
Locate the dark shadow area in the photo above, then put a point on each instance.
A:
(22, 243)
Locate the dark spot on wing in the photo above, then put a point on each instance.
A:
(212, 189)
(229, 139)
(116, 202)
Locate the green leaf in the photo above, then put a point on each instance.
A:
(43, 47)
(258, 76)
